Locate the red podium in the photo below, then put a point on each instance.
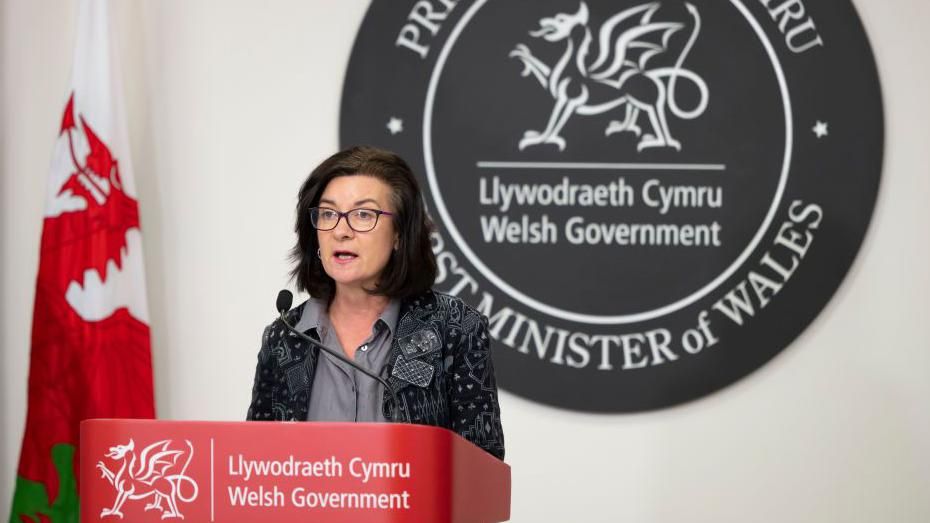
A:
(241, 472)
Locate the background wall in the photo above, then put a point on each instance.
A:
(231, 103)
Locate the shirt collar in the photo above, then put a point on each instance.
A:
(314, 316)
(390, 315)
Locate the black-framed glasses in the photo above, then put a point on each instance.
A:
(359, 220)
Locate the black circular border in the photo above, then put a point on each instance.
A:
(842, 173)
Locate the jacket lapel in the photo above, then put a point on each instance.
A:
(298, 376)
(416, 344)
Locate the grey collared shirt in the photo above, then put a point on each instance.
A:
(339, 392)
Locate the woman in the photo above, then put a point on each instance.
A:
(364, 255)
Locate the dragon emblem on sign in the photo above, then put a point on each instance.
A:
(622, 66)
(150, 474)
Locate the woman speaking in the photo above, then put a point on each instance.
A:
(364, 255)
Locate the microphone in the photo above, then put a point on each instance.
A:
(285, 299)
(283, 303)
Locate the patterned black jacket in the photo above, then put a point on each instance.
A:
(439, 365)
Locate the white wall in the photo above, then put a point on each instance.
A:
(231, 103)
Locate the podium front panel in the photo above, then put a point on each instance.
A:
(241, 472)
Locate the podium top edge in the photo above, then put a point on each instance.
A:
(359, 426)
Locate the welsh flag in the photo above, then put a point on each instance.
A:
(91, 354)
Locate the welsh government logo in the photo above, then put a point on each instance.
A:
(157, 474)
(649, 200)
(595, 76)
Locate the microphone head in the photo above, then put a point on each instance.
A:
(285, 299)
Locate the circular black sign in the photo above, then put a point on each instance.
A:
(649, 200)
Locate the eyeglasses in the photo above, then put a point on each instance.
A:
(359, 220)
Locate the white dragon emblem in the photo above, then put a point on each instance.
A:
(148, 475)
(621, 73)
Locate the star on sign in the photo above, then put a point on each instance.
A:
(820, 129)
(395, 125)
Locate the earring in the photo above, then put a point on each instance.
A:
(318, 255)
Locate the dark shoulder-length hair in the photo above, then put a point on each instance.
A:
(411, 269)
